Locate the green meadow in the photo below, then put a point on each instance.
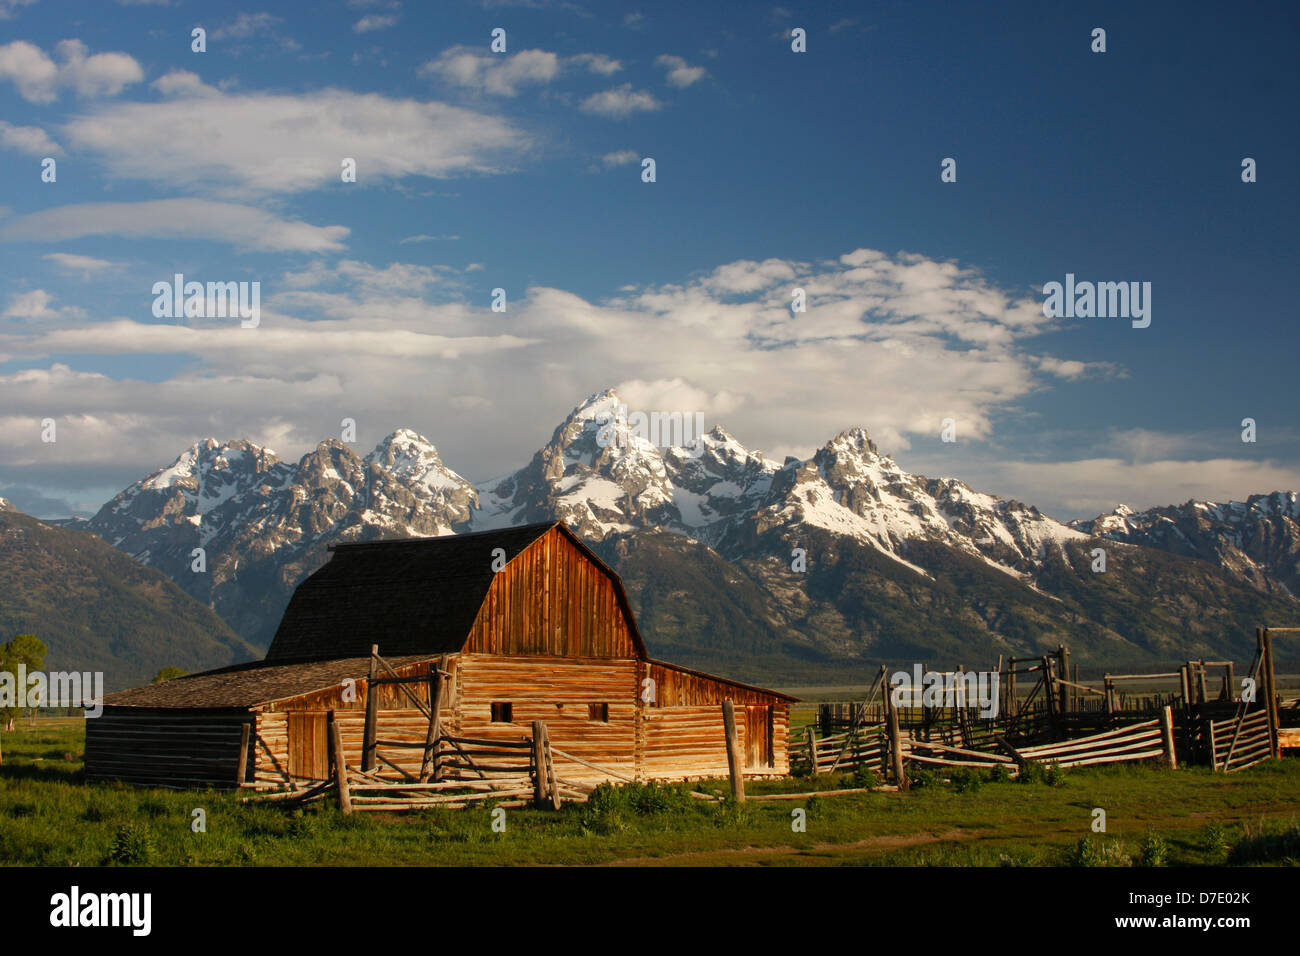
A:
(49, 815)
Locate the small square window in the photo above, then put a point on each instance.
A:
(598, 712)
(502, 712)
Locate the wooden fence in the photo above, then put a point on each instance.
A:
(1144, 741)
(1149, 740)
(1242, 742)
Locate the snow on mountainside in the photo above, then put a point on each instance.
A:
(1256, 540)
(896, 556)
(848, 488)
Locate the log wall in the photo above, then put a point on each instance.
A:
(173, 748)
(558, 692)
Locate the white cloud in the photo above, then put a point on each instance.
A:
(597, 63)
(245, 26)
(368, 24)
(494, 73)
(1092, 486)
(39, 79)
(680, 73)
(243, 226)
(394, 343)
(27, 139)
(7, 7)
(427, 238)
(31, 306)
(251, 144)
(74, 263)
(619, 102)
(623, 157)
(180, 83)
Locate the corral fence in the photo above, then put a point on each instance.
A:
(1043, 717)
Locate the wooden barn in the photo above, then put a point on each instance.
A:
(518, 625)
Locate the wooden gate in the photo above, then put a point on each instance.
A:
(758, 737)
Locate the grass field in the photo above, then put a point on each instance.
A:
(50, 816)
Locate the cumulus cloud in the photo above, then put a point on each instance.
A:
(242, 226)
(680, 73)
(393, 344)
(39, 78)
(252, 144)
(27, 139)
(34, 306)
(620, 102)
(494, 73)
(597, 63)
(1088, 487)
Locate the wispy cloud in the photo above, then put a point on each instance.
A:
(242, 226)
(368, 24)
(251, 144)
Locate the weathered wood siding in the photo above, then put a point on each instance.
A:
(558, 692)
(551, 599)
(683, 734)
(165, 747)
(290, 733)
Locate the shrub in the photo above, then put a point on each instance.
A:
(132, 845)
(922, 778)
(1089, 852)
(1154, 851)
(966, 780)
(865, 777)
(1031, 772)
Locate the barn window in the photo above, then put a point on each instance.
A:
(501, 712)
(598, 712)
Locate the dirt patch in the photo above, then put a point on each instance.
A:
(749, 853)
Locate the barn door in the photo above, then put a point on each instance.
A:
(758, 737)
(308, 746)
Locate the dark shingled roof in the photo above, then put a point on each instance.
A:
(249, 685)
(409, 596)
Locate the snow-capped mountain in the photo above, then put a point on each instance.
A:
(1257, 540)
(704, 533)
(628, 484)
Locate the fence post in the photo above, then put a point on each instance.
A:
(1167, 725)
(541, 788)
(429, 766)
(1270, 683)
(372, 714)
(338, 763)
(241, 773)
(812, 751)
(895, 748)
(1063, 671)
(734, 766)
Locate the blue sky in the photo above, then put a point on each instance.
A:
(774, 169)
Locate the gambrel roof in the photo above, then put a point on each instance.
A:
(408, 595)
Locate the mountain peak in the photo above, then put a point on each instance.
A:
(606, 401)
(854, 440)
